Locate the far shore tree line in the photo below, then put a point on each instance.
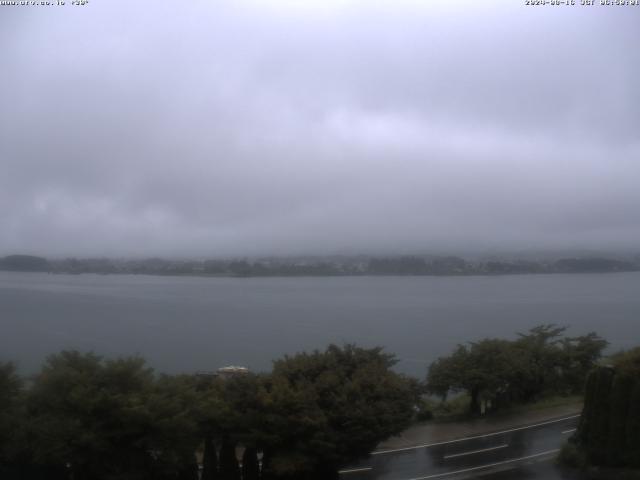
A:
(85, 417)
(319, 266)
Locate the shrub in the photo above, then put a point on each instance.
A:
(571, 456)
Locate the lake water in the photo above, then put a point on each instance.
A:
(184, 324)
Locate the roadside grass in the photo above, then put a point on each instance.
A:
(546, 402)
(453, 409)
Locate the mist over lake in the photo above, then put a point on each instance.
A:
(185, 324)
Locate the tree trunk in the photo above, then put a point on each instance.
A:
(266, 472)
(474, 407)
(209, 460)
(250, 469)
(229, 468)
(189, 469)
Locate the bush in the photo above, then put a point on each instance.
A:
(457, 406)
(424, 416)
(424, 411)
(571, 456)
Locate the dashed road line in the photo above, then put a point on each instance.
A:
(355, 470)
(455, 455)
(568, 431)
(427, 445)
(490, 465)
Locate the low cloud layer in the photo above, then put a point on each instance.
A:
(238, 127)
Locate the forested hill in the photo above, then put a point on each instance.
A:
(24, 263)
(321, 266)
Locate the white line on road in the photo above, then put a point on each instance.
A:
(355, 470)
(427, 445)
(568, 431)
(455, 455)
(437, 475)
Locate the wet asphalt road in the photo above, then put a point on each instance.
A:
(524, 452)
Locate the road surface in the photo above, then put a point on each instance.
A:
(515, 453)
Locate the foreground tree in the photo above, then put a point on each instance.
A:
(485, 370)
(542, 359)
(110, 419)
(324, 409)
(496, 372)
(554, 364)
(609, 429)
(580, 355)
(88, 418)
(12, 421)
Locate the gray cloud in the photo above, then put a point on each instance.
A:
(252, 127)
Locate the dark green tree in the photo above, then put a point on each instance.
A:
(324, 409)
(188, 469)
(109, 419)
(631, 455)
(541, 359)
(621, 392)
(444, 374)
(173, 435)
(12, 422)
(579, 356)
(609, 428)
(498, 372)
(484, 369)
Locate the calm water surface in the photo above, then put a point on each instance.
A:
(182, 324)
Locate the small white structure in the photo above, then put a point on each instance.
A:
(232, 371)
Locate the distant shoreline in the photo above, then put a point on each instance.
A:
(356, 266)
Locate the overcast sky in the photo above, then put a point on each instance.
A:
(210, 128)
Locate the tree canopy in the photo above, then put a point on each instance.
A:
(83, 416)
(496, 372)
(333, 406)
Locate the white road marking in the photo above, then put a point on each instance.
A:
(455, 455)
(568, 431)
(437, 475)
(427, 445)
(355, 470)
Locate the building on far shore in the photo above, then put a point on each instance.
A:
(224, 372)
(231, 371)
